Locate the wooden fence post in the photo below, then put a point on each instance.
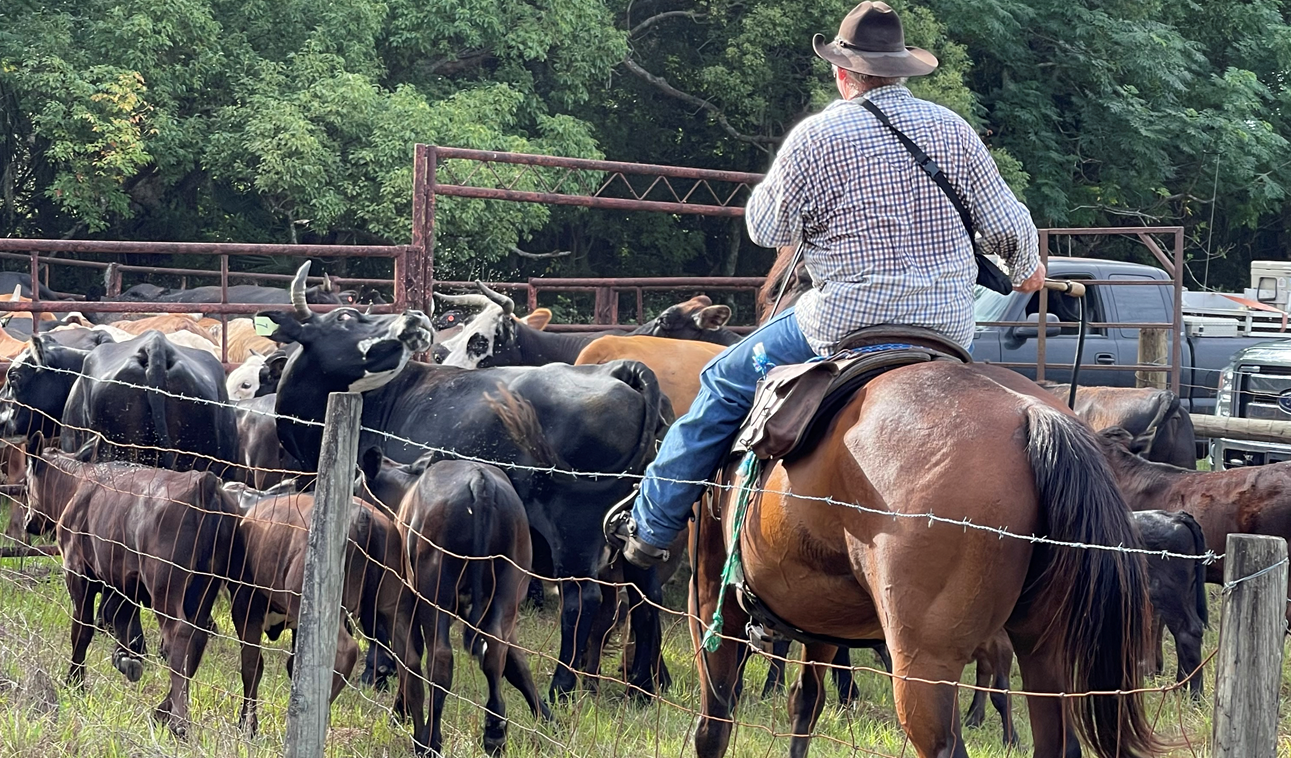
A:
(315, 637)
(1154, 349)
(1249, 661)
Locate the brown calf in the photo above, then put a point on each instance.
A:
(466, 533)
(140, 537)
(275, 531)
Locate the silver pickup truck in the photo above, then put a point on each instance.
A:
(1255, 384)
(1203, 359)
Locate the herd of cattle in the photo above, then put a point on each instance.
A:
(172, 481)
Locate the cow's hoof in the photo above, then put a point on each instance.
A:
(563, 683)
(973, 720)
(130, 666)
(495, 736)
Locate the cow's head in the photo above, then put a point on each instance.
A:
(691, 320)
(346, 347)
(36, 386)
(489, 339)
(244, 381)
(52, 478)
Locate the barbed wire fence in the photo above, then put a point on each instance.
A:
(220, 604)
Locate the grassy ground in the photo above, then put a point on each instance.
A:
(39, 716)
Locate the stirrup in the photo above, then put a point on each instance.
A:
(621, 534)
(760, 638)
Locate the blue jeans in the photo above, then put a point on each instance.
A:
(700, 440)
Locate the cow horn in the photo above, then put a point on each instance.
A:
(508, 305)
(298, 293)
(327, 282)
(17, 293)
(472, 300)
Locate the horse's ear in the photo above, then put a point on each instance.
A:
(713, 317)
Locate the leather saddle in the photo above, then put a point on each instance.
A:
(795, 402)
(792, 407)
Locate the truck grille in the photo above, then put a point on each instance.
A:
(1257, 390)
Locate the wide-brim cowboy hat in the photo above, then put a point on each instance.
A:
(871, 41)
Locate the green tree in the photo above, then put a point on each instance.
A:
(292, 121)
(1138, 113)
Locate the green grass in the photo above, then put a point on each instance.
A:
(39, 716)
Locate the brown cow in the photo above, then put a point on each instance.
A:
(275, 531)
(467, 538)
(167, 323)
(139, 536)
(244, 341)
(675, 363)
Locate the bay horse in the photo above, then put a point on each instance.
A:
(972, 444)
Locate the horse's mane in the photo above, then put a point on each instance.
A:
(775, 280)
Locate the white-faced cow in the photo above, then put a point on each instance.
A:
(495, 338)
(597, 419)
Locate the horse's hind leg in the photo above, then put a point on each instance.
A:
(807, 696)
(1051, 727)
(928, 712)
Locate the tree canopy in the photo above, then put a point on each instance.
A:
(292, 120)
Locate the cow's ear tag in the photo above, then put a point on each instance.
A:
(265, 327)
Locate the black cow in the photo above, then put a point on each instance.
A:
(603, 419)
(495, 338)
(1177, 589)
(163, 404)
(37, 385)
(11, 279)
(324, 294)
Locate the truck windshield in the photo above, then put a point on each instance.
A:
(988, 305)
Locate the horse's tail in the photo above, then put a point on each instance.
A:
(1097, 597)
(1199, 568)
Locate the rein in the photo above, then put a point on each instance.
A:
(733, 570)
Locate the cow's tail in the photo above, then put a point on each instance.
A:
(484, 503)
(658, 414)
(216, 558)
(1199, 569)
(520, 419)
(1097, 597)
(155, 353)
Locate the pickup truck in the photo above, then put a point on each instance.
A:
(1204, 357)
(1256, 384)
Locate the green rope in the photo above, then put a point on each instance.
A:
(750, 469)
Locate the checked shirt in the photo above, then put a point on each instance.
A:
(882, 242)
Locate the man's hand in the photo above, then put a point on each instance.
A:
(1033, 282)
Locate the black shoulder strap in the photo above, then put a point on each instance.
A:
(929, 166)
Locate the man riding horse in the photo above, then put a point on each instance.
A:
(883, 242)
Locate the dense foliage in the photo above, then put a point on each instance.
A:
(292, 120)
